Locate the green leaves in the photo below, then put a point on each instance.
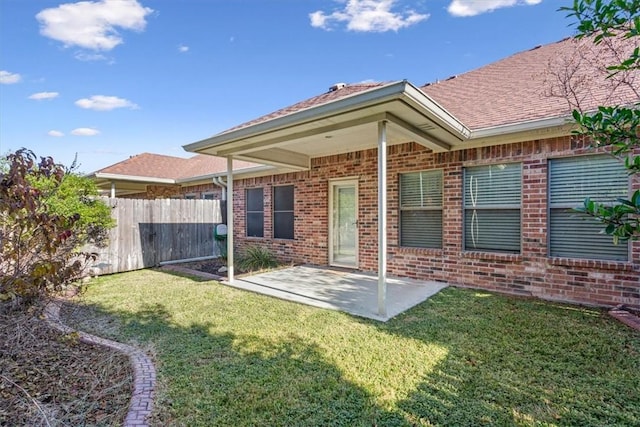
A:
(615, 126)
(622, 220)
(605, 18)
(39, 244)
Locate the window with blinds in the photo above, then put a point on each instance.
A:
(283, 216)
(421, 209)
(254, 207)
(492, 203)
(574, 235)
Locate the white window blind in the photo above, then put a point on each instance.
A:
(421, 209)
(492, 202)
(571, 234)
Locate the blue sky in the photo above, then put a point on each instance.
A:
(108, 79)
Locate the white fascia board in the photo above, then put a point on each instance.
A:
(442, 117)
(522, 127)
(236, 172)
(299, 117)
(133, 178)
(389, 92)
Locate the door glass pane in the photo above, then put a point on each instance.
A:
(344, 225)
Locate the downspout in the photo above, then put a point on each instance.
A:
(217, 180)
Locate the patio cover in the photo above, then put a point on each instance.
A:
(390, 114)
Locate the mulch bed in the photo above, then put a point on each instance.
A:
(211, 266)
(47, 378)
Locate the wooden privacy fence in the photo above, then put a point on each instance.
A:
(149, 232)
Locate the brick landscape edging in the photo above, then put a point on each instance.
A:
(144, 373)
(620, 313)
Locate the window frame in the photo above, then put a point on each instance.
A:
(423, 208)
(257, 213)
(503, 207)
(274, 203)
(565, 207)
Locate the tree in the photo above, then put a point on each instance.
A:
(42, 228)
(77, 194)
(616, 126)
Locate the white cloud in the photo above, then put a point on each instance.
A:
(367, 16)
(7, 78)
(87, 57)
(105, 103)
(44, 95)
(182, 48)
(92, 24)
(55, 133)
(476, 7)
(85, 132)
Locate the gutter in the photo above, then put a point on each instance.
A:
(521, 127)
(134, 178)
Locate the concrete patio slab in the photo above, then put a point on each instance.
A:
(352, 292)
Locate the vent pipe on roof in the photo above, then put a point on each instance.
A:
(337, 86)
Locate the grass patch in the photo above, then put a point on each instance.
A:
(228, 357)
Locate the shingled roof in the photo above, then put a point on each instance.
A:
(160, 166)
(526, 86)
(533, 84)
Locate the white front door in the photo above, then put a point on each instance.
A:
(343, 223)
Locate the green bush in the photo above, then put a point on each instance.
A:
(257, 258)
(45, 219)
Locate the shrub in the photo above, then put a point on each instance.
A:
(257, 258)
(40, 250)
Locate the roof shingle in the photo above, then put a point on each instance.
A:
(170, 167)
(523, 87)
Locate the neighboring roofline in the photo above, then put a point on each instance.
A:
(178, 181)
(133, 178)
(400, 90)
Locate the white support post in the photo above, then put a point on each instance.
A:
(113, 190)
(230, 219)
(382, 218)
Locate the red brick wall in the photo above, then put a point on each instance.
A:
(168, 191)
(528, 273)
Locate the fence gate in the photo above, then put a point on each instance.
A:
(149, 232)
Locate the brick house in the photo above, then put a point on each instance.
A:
(156, 176)
(468, 181)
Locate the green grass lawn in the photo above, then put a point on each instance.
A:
(464, 357)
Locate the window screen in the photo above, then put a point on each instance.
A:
(283, 215)
(255, 212)
(421, 209)
(571, 180)
(492, 202)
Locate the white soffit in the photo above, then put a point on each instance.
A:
(344, 125)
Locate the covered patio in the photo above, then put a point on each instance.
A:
(338, 289)
(378, 117)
